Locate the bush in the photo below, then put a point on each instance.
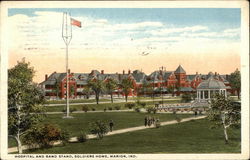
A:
(178, 119)
(85, 108)
(82, 137)
(129, 105)
(104, 109)
(150, 109)
(70, 110)
(98, 128)
(110, 108)
(186, 98)
(137, 109)
(45, 135)
(93, 109)
(117, 107)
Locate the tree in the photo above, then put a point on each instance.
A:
(97, 86)
(111, 85)
(224, 112)
(145, 88)
(24, 101)
(170, 89)
(99, 128)
(235, 81)
(57, 88)
(72, 91)
(87, 91)
(126, 86)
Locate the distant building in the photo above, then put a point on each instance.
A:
(158, 82)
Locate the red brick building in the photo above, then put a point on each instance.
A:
(158, 82)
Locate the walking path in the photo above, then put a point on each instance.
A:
(120, 131)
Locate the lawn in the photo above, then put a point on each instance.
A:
(102, 106)
(81, 121)
(188, 137)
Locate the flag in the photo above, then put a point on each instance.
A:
(75, 22)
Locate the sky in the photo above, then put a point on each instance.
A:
(117, 39)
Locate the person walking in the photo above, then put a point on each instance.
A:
(111, 125)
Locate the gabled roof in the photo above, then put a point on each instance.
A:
(138, 76)
(180, 70)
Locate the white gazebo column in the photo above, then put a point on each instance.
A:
(225, 93)
(199, 95)
(203, 94)
(208, 94)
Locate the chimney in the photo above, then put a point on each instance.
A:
(160, 72)
(68, 70)
(123, 72)
(196, 73)
(46, 77)
(215, 73)
(129, 71)
(102, 71)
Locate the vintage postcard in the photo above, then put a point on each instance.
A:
(125, 80)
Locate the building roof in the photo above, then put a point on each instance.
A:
(186, 89)
(138, 76)
(211, 83)
(180, 70)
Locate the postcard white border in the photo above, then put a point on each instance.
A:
(136, 4)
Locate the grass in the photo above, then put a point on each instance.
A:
(104, 100)
(101, 106)
(188, 137)
(81, 121)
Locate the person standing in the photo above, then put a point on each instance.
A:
(111, 125)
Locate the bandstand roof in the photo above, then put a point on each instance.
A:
(211, 84)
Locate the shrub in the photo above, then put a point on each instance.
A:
(85, 108)
(104, 109)
(130, 105)
(137, 109)
(174, 111)
(110, 108)
(45, 135)
(98, 128)
(150, 109)
(117, 107)
(186, 98)
(178, 119)
(82, 137)
(93, 109)
(70, 110)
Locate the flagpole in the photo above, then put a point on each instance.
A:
(67, 38)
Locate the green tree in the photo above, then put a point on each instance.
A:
(56, 88)
(97, 86)
(72, 91)
(223, 112)
(24, 101)
(110, 86)
(235, 81)
(145, 88)
(99, 128)
(170, 89)
(126, 86)
(87, 91)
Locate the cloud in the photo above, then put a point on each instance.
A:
(42, 33)
(167, 31)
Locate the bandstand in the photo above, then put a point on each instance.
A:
(207, 88)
